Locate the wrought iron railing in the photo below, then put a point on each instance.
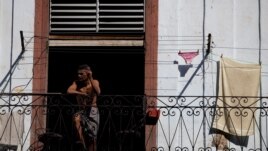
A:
(128, 123)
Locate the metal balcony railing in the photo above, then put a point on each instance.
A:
(127, 123)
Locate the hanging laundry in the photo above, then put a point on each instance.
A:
(188, 56)
(233, 115)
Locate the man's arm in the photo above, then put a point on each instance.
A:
(95, 84)
(72, 89)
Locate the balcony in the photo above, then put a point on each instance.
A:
(128, 123)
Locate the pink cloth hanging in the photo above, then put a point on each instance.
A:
(188, 56)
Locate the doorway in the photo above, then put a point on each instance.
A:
(120, 71)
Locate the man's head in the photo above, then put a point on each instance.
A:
(84, 72)
(83, 67)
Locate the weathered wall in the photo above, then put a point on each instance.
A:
(16, 16)
(239, 32)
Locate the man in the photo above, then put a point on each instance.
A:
(86, 120)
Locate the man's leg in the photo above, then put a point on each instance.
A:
(94, 124)
(93, 145)
(77, 121)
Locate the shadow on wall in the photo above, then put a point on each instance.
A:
(184, 68)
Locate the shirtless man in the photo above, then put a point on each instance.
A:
(87, 119)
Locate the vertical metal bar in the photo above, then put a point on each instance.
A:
(22, 41)
(260, 62)
(204, 107)
(11, 46)
(204, 72)
(209, 43)
(11, 60)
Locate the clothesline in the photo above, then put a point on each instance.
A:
(243, 61)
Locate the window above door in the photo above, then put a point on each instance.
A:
(97, 16)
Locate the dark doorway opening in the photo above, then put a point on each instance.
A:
(120, 71)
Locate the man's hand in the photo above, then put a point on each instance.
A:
(90, 75)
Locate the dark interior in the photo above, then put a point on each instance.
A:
(120, 71)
